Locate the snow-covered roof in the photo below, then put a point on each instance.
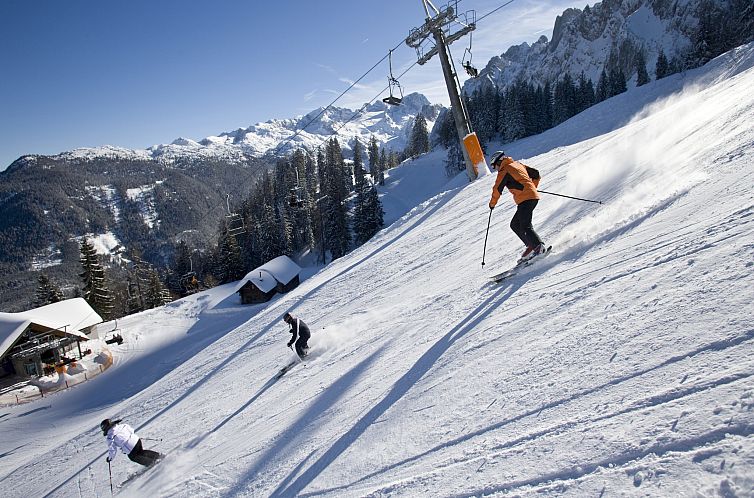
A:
(266, 277)
(11, 326)
(262, 279)
(282, 268)
(70, 316)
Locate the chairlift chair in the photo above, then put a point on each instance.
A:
(189, 282)
(470, 69)
(294, 199)
(393, 84)
(113, 336)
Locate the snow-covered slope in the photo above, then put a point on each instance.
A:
(620, 365)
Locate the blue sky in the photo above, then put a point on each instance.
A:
(83, 73)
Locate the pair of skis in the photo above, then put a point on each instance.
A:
(519, 266)
(286, 368)
(292, 364)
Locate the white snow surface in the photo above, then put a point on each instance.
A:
(619, 365)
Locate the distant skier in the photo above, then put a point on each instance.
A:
(301, 334)
(522, 181)
(123, 436)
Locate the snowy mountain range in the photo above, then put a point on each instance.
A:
(619, 34)
(619, 365)
(390, 125)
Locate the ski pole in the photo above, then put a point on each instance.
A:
(568, 196)
(110, 471)
(484, 252)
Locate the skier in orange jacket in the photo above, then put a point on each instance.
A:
(522, 182)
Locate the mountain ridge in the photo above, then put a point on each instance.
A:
(390, 125)
(621, 35)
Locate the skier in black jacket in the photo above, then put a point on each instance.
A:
(301, 334)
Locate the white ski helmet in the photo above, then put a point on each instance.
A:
(496, 157)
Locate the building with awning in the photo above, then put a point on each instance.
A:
(45, 335)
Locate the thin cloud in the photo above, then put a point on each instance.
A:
(327, 68)
(493, 36)
(357, 86)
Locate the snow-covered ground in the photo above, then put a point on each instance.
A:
(620, 365)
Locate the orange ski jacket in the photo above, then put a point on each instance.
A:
(521, 180)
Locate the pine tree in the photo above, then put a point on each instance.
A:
(662, 67)
(285, 231)
(136, 285)
(642, 77)
(134, 299)
(584, 93)
(231, 263)
(47, 291)
(156, 294)
(454, 162)
(181, 266)
(297, 216)
(374, 158)
(392, 159)
(564, 101)
(269, 236)
(513, 126)
(547, 103)
(358, 162)
(603, 87)
(337, 236)
(95, 292)
(368, 213)
(445, 128)
(617, 83)
(488, 115)
(419, 140)
(383, 166)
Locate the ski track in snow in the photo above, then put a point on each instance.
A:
(620, 365)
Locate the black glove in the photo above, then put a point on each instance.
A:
(290, 344)
(108, 459)
(492, 207)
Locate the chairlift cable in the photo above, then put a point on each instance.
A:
(495, 10)
(289, 139)
(361, 109)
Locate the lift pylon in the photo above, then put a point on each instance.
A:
(446, 26)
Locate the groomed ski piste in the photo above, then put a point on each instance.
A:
(622, 365)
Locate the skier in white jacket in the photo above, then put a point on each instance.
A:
(123, 436)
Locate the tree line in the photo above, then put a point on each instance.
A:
(318, 203)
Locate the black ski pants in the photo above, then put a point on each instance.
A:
(521, 223)
(302, 346)
(142, 456)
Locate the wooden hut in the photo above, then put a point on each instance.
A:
(261, 284)
(258, 286)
